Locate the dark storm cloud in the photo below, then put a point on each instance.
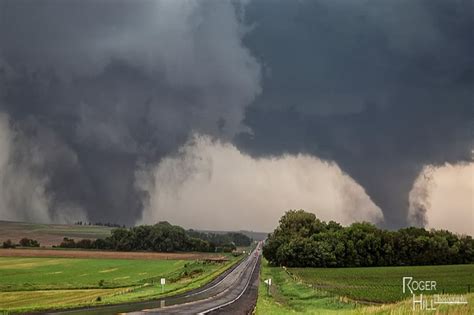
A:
(381, 87)
(120, 85)
(100, 90)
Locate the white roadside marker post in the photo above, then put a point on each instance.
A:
(163, 282)
(269, 283)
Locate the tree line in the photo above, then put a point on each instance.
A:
(302, 240)
(220, 239)
(108, 224)
(24, 242)
(161, 237)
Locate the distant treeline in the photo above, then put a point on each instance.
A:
(24, 242)
(161, 237)
(108, 224)
(218, 239)
(302, 240)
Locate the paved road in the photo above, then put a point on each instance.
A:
(246, 303)
(218, 297)
(232, 293)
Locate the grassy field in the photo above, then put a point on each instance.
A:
(384, 284)
(28, 284)
(50, 234)
(294, 292)
(287, 296)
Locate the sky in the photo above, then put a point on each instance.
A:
(223, 114)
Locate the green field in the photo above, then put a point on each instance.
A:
(348, 290)
(28, 284)
(384, 284)
(287, 296)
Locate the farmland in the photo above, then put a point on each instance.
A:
(384, 284)
(28, 284)
(50, 234)
(75, 253)
(353, 290)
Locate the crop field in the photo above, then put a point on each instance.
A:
(50, 234)
(384, 284)
(28, 284)
(294, 291)
(80, 253)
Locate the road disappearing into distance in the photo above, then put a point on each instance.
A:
(216, 298)
(234, 291)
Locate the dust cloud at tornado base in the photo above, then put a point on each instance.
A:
(345, 83)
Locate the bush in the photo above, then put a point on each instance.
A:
(8, 244)
(67, 243)
(26, 242)
(85, 243)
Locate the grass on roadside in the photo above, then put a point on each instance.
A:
(287, 296)
(32, 284)
(297, 295)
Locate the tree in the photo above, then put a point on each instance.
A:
(85, 243)
(26, 242)
(302, 240)
(161, 237)
(8, 244)
(68, 243)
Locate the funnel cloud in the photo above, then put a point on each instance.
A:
(112, 111)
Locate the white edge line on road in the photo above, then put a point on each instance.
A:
(238, 297)
(197, 301)
(219, 282)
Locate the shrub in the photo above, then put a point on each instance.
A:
(8, 244)
(84, 243)
(26, 242)
(67, 243)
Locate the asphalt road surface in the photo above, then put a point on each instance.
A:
(234, 292)
(220, 297)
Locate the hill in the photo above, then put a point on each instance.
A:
(50, 234)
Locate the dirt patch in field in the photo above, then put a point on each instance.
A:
(104, 254)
